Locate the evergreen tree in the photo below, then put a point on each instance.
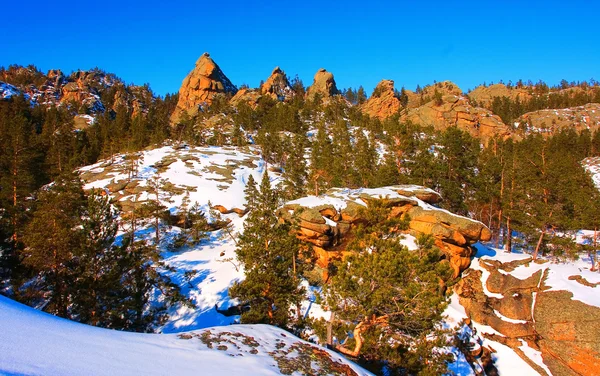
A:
(388, 296)
(361, 95)
(295, 172)
(52, 238)
(97, 286)
(320, 160)
(365, 159)
(270, 255)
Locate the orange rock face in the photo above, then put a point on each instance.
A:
(451, 110)
(200, 86)
(277, 86)
(383, 103)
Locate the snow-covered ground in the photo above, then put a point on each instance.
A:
(35, 343)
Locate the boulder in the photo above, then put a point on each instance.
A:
(323, 84)
(568, 331)
(200, 86)
(249, 96)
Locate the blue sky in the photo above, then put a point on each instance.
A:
(361, 42)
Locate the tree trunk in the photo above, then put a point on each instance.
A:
(15, 237)
(358, 330)
(362, 327)
(330, 330)
(508, 235)
(594, 250)
(538, 245)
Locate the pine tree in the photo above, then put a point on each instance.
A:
(342, 172)
(361, 95)
(270, 255)
(386, 295)
(20, 167)
(320, 160)
(96, 287)
(365, 159)
(52, 238)
(295, 174)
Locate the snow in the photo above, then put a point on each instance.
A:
(476, 265)
(215, 174)
(508, 319)
(409, 242)
(35, 343)
(8, 90)
(558, 273)
(508, 362)
(534, 355)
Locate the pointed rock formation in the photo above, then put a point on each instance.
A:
(323, 84)
(277, 86)
(383, 102)
(200, 86)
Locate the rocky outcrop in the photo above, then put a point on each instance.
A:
(326, 222)
(277, 86)
(323, 84)
(81, 91)
(427, 94)
(383, 103)
(524, 310)
(550, 121)
(246, 95)
(484, 95)
(200, 86)
(456, 111)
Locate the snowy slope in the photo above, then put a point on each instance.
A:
(209, 174)
(35, 343)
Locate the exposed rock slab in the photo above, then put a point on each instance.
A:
(527, 309)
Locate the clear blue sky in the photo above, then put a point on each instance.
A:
(361, 42)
